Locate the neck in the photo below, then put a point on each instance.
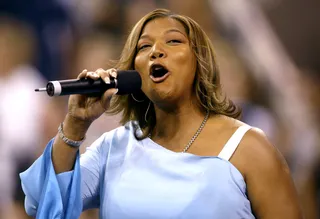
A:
(176, 123)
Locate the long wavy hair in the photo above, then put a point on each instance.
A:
(206, 84)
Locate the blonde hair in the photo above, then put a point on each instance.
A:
(206, 84)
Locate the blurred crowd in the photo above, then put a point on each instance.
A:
(267, 52)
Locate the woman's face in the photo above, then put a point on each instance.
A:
(165, 61)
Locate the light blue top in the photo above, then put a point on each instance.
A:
(127, 178)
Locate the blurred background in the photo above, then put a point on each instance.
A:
(267, 51)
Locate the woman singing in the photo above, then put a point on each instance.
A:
(181, 152)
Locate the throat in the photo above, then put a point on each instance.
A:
(179, 133)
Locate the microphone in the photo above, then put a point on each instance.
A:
(128, 81)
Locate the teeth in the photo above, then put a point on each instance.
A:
(157, 67)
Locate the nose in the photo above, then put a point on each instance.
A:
(157, 52)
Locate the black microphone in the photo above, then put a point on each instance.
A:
(127, 82)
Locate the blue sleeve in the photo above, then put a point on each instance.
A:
(90, 163)
(64, 195)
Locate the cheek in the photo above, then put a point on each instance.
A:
(190, 68)
(141, 66)
(186, 63)
(186, 58)
(137, 63)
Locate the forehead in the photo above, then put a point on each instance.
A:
(161, 25)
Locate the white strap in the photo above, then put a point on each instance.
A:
(232, 144)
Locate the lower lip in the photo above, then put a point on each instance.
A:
(161, 79)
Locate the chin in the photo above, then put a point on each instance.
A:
(164, 97)
(163, 93)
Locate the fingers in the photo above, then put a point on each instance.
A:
(106, 74)
(83, 74)
(88, 74)
(99, 73)
(113, 72)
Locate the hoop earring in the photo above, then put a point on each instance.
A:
(139, 101)
(145, 115)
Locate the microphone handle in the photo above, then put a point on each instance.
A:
(79, 86)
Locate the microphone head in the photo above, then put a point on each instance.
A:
(129, 81)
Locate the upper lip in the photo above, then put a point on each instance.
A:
(154, 65)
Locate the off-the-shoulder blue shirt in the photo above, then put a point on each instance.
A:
(139, 179)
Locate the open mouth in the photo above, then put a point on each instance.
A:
(158, 71)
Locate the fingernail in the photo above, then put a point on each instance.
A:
(116, 91)
(113, 74)
(84, 70)
(107, 80)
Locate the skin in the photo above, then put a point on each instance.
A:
(270, 187)
(164, 41)
(82, 111)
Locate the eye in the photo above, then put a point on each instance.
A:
(143, 47)
(174, 41)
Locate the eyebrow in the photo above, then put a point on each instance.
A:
(145, 36)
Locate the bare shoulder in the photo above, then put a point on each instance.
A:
(254, 152)
(269, 183)
(270, 188)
